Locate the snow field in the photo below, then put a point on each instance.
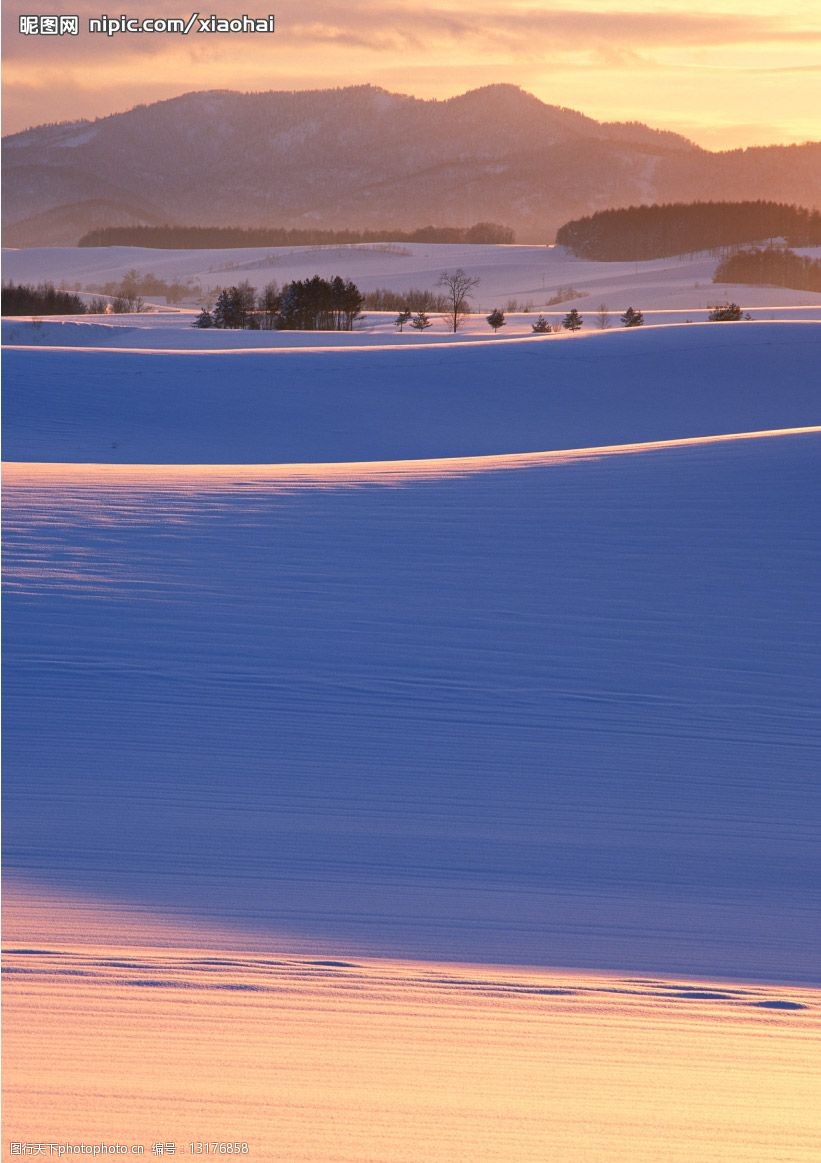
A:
(555, 715)
(343, 404)
(673, 289)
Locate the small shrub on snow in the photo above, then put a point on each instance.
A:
(724, 313)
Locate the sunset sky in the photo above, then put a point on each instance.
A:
(731, 74)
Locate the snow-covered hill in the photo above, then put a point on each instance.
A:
(361, 157)
(513, 278)
(557, 712)
(390, 403)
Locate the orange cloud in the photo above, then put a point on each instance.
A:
(752, 64)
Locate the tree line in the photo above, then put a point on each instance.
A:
(314, 304)
(319, 304)
(118, 298)
(414, 300)
(170, 237)
(647, 232)
(771, 266)
(134, 284)
(43, 299)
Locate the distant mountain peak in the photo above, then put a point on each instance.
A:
(361, 157)
(498, 89)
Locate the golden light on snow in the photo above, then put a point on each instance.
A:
(296, 758)
(199, 477)
(309, 1057)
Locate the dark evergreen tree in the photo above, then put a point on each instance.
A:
(402, 318)
(44, 299)
(632, 318)
(235, 307)
(269, 303)
(541, 326)
(317, 304)
(572, 320)
(420, 321)
(245, 299)
(223, 313)
(338, 317)
(724, 313)
(289, 317)
(496, 319)
(204, 319)
(348, 300)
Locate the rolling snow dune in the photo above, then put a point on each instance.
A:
(531, 274)
(555, 714)
(175, 332)
(341, 1061)
(330, 670)
(374, 403)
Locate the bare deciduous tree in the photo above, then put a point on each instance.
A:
(457, 286)
(603, 317)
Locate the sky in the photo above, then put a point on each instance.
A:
(726, 75)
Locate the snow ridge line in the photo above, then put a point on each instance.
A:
(444, 342)
(41, 473)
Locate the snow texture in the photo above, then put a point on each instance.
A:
(372, 403)
(560, 712)
(667, 290)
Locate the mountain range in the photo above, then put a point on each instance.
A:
(364, 158)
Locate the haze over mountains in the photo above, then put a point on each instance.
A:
(361, 157)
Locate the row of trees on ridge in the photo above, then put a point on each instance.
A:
(43, 299)
(171, 237)
(319, 304)
(771, 266)
(646, 232)
(314, 304)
